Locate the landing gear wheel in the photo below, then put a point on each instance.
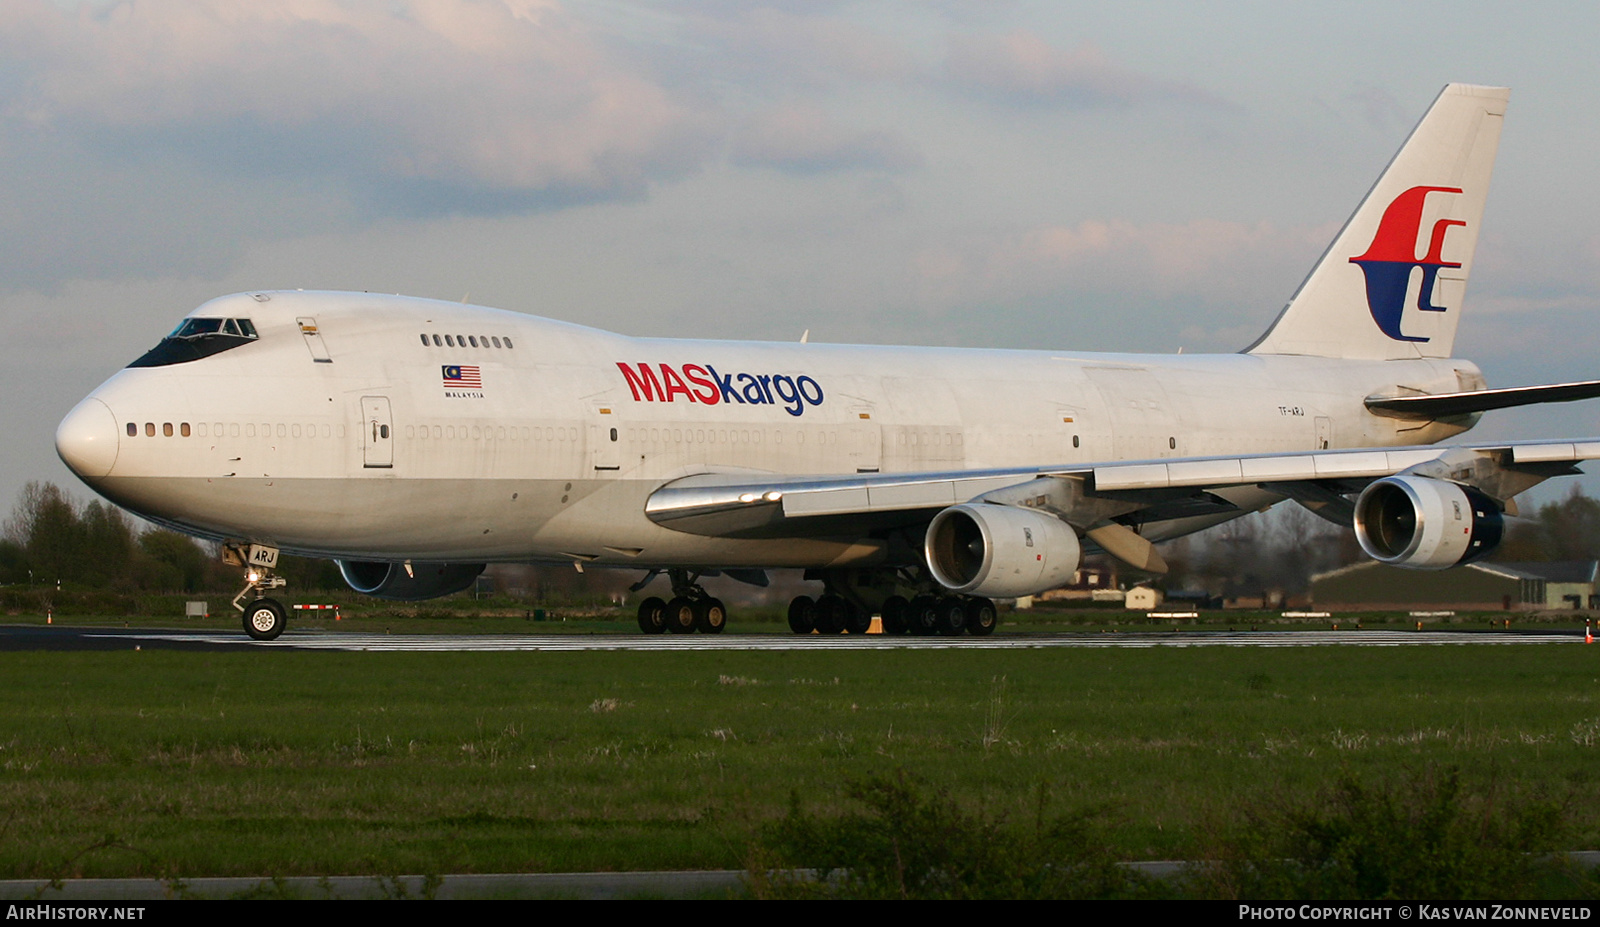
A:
(894, 611)
(264, 620)
(982, 617)
(832, 612)
(857, 620)
(802, 614)
(679, 615)
(710, 617)
(922, 615)
(652, 615)
(950, 616)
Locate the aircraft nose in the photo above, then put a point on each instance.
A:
(87, 439)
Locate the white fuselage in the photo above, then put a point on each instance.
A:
(341, 433)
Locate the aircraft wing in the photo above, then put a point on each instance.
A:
(1089, 495)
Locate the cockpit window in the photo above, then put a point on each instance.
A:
(195, 338)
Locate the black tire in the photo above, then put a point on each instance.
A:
(893, 611)
(831, 612)
(679, 615)
(922, 615)
(265, 619)
(857, 620)
(652, 616)
(710, 616)
(802, 614)
(982, 617)
(950, 616)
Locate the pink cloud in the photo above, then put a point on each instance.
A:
(511, 94)
(1240, 264)
(804, 139)
(1022, 68)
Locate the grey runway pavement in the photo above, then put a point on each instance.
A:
(33, 637)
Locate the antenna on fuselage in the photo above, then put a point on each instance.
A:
(805, 336)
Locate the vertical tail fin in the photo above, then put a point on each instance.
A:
(1392, 282)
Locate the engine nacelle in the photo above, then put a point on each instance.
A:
(1426, 524)
(427, 580)
(1001, 550)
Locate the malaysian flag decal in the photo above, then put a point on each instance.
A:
(462, 377)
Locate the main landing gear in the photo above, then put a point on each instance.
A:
(923, 615)
(264, 618)
(690, 609)
(852, 596)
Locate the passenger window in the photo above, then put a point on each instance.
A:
(149, 429)
(508, 342)
(449, 341)
(166, 429)
(436, 341)
(497, 341)
(250, 429)
(184, 429)
(424, 340)
(474, 340)
(282, 432)
(383, 431)
(133, 430)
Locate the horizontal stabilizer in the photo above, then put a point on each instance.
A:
(1443, 405)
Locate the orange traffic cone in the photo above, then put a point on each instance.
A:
(1588, 633)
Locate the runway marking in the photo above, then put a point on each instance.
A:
(342, 641)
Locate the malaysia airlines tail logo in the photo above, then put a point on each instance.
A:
(1392, 256)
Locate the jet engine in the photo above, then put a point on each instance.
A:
(1000, 550)
(1426, 524)
(425, 580)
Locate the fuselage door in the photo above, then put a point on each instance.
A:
(866, 447)
(605, 439)
(377, 432)
(314, 342)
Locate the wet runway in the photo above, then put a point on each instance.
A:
(18, 637)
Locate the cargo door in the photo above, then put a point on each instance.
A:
(1137, 411)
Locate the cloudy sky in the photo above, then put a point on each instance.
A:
(1091, 176)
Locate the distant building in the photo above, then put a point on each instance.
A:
(1567, 583)
(1142, 598)
(1478, 586)
(1089, 579)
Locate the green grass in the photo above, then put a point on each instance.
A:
(284, 763)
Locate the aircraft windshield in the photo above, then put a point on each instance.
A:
(195, 328)
(195, 338)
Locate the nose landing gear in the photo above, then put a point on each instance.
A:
(264, 618)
